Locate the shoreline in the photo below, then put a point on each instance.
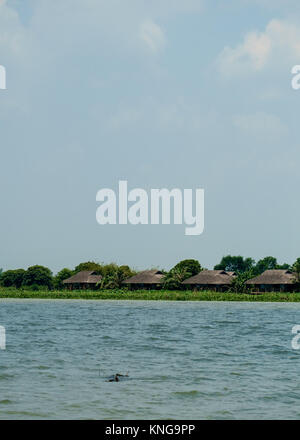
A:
(150, 295)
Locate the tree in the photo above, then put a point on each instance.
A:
(127, 271)
(13, 278)
(235, 264)
(114, 275)
(296, 269)
(238, 283)
(109, 269)
(114, 278)
(173, 279)
(38, 275)
(61, 276)
(89, 265)
(268, 263)
(180, 272)
(191, 267)
(285, 266)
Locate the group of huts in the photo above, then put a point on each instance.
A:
(218, 280)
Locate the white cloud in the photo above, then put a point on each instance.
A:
(58, 28)
(152, 35)
(280, 42)
(251, 55)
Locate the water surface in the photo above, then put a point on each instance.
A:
(188, 360)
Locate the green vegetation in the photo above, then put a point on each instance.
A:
(12, 278)
(61, 276)
(235, 264)
(153, 295)
(36, 276)
(296, 269)
(40, 279)
(240, 264)
(183, 270)
(113, 276)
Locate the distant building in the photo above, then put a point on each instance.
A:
(86, 279)
(274, 280)
(147, 279)
(210, 280)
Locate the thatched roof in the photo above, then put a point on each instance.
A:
(275, 276)
(146, 277)
(85, 276)
(207, 277)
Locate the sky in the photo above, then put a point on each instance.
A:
(163, 94)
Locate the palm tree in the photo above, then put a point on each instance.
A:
(113, 280)
(174, 278)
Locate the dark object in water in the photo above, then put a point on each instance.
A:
(115, 378)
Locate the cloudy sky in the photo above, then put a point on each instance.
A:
(161, 93)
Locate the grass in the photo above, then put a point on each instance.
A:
(155, 295)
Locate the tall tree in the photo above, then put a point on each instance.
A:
(89, 265)
(115, 276)
(269, 263)
(38, 275)
(235, 263)
(61, 276)
(296, 269)
(173, 279)
(238, 283)
(192, 267)
(13, 278)
(180, 272)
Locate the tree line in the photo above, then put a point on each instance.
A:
(40, 277)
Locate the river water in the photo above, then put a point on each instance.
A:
(185, 360)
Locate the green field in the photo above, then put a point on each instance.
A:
(148, 295)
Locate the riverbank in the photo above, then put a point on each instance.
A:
(151, 295)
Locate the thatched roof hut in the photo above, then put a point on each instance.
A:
(210, 279)
(275, 279)
(147, 278)
(83, 279)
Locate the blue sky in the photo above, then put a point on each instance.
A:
(193, 94)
